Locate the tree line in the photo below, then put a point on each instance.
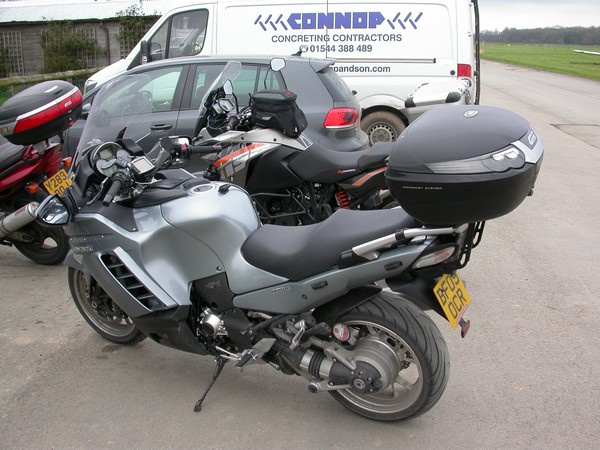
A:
(555, 35)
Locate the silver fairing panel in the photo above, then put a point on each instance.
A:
(294, 297)
(222, 221)
(175, 243)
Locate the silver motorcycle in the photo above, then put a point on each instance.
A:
(185, 261)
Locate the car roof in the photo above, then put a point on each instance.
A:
(317, 64)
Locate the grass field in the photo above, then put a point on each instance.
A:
(550, 58)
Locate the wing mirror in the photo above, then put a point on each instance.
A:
(53, 212)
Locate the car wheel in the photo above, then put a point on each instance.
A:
(382, 126)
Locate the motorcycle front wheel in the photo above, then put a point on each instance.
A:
(420, 358)
(47, 246)
(100, 312)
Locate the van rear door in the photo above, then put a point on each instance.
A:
(393, 38)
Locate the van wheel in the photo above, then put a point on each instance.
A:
(382, 126)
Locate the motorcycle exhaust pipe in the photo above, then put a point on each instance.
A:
(21, 217)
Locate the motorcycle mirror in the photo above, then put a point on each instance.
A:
(53, 212)
(277, 64)
(228, 87)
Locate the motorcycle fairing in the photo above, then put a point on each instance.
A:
(297, 296)
(273, 172)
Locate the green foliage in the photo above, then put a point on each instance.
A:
(133, 24)
(550, 58)
(65, 48)
(555, 35)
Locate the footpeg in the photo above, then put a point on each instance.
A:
(254, 354)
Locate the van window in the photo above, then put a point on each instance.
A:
(182, 35)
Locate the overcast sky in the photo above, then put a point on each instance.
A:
(499, 14)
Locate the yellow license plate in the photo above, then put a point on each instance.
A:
(58, 183)
(453, 297)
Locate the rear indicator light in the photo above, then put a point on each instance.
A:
(32, 188)
(341, 118)
(464, 71)
(67, 162)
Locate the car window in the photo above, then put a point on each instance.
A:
(269, 79)
(252, 78)
(162, 87)
(339, 90)
(203, 78)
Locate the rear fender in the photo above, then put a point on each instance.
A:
(330, 311)
(417, 291)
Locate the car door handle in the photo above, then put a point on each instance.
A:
(161, 127)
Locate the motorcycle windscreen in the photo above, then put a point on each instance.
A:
(121, 109)
(230, 72)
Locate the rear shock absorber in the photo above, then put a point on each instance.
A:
(342, 199)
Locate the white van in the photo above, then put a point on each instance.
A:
(384, 50)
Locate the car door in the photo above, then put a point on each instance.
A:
(163, 90)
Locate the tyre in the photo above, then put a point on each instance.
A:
(382, 126)
(419, 368)
(48, 245)
(100, 312)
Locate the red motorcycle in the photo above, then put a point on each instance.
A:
(32, 167)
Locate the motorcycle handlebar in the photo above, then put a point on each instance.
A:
(115, 187)
(204, 149)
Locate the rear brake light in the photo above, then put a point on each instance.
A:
(464, 71)
(56, 109)
(435, 258)
(341, 118)
(45, 116)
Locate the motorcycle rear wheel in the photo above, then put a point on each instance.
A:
(101, 313)
(421, 355)
(49, 245)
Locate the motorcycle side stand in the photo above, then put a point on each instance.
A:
(220, 364)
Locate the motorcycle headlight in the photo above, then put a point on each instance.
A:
(53, 212)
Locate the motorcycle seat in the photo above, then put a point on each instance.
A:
(323, 165)
(10, 154)
(299, 252)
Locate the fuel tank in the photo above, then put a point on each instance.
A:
(222, 217)
(166, 245)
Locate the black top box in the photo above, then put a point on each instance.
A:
(40, 112)
(464, 164)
